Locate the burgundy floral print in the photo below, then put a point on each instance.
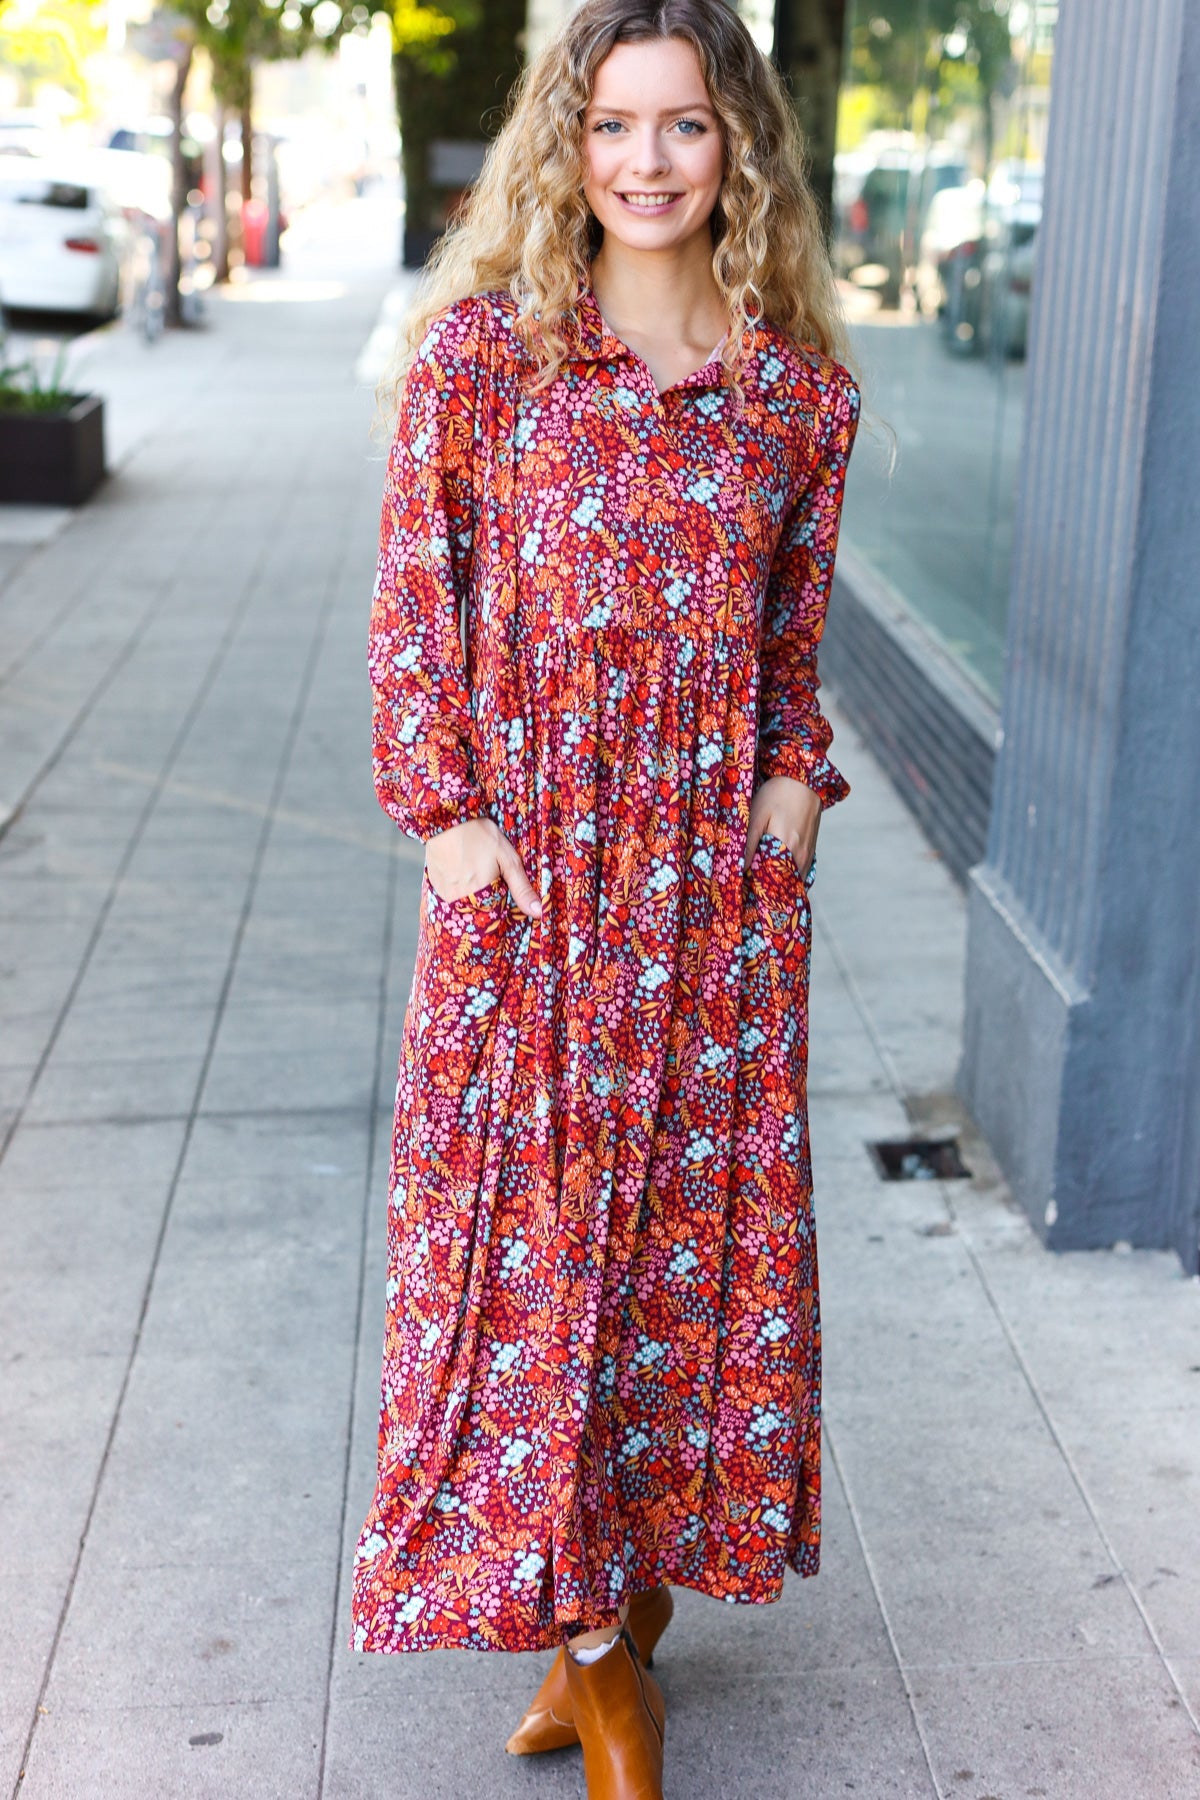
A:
(595, 621)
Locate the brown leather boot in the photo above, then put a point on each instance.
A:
(549, 1723)
(619, 1714)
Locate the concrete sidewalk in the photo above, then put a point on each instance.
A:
(208, 929)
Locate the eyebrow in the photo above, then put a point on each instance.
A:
(620, 112)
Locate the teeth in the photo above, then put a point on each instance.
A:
(649, 202)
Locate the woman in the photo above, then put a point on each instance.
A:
(608, 535)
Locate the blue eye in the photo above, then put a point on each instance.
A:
(690, 127)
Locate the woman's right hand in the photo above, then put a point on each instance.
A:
(467, 857)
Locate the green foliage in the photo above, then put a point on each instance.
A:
(948, 51)
(22, 388)
(423, 34)
(238, 34)
(51, 43)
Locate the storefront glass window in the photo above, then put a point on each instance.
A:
(937, 201)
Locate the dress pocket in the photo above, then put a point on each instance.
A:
(485, 896)
(771, 852)
(466, 951)
(781, 905)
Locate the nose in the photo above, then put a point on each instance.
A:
(649, 157)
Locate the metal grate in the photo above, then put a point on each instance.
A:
(919, 1159)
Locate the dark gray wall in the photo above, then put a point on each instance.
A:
(925, 720)
(1081, 1058)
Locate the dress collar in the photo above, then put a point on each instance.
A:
(596, 341)
(598, 344)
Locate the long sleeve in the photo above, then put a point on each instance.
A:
(794, 735)
(422, 728)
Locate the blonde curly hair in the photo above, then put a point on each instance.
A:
(527, 227)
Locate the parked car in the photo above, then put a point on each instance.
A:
(948, 257)
(1013, 215)
(850, 170)
(882, 209)
(872, 224)
(941, 169)
(977, 257)
(29, 131)
(61, 239)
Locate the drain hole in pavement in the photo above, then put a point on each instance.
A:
(918, 1159)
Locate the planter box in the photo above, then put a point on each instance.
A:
(53, 459)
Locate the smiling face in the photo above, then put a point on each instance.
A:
(654, 145)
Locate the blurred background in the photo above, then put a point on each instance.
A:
(140, 147)
(212, 220)
(147, 155)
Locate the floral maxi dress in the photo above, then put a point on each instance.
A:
(595, 622)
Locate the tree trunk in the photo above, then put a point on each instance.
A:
(173, 307)
(248, 139)
(221, 201)
(809, 37)
(463, 106)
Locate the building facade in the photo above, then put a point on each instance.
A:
(1015, 219)
(1017, 622)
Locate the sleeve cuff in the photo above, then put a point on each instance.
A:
(813, 769)
(422, 811)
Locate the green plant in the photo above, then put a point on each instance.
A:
(23, 389)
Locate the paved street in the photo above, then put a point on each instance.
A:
(207, 928)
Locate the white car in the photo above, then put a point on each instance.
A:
(61, 239)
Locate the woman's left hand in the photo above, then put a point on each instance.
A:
(792, 812)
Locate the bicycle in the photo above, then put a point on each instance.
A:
(148, 292)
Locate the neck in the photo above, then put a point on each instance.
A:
(674, 290)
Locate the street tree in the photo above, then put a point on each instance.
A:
(916, 55)
(238, 36)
